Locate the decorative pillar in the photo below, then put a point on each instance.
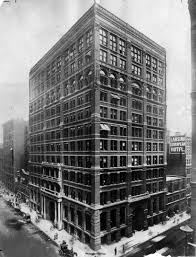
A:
(59, 224)
(95, 230)
(55, 213)
(108, 227)
(44, 207)
(145, 219)
(129, 220)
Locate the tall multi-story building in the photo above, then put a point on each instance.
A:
(13, 150)
(1, 162)
(97, 126)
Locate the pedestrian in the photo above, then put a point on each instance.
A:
(123, 248)
(115, 251)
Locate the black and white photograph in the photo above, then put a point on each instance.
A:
(97, 128)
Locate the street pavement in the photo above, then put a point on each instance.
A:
(22, 240)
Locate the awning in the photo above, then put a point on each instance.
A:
(104, 127)
(112, 76)
(102, 73)
(136, 85)
(121, 80)
(158, 239)
(115, 96)
(89, 53)
(25, 172)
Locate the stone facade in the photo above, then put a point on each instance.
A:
(97, 130)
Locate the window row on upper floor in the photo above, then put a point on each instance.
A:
(119, 45)
(78, 81)
(135, 69)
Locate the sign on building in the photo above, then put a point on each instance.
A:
(177, 144)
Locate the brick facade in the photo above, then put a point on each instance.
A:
(97, 130)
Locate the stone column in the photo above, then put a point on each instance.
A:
(55, 211)
(145, 219)
(44, 207)
(41, 209)
(59, 224)
(129, 218)
(108, 227)
(118, 224)
(95, 230)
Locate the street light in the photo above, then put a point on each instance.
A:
(187, 230)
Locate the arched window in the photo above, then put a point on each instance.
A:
(80, 82)
(136, 89)
(73, 86)
(149, 92)
(113, 80)
(103, 77)
(122, 82)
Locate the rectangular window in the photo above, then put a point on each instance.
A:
(72, 51)
(80, 44)
(137, 105)
(113, 60)
(160, 67)
(103, 161)
(103, 145)
(89, 37)
(114, 130)
(154, 78)
(136, 118)
(136, 132)
(113, 42)
(123, 161)
(136, 54)
(148, 61)
(103, 56)
(113, 114)
(73, 66)
(103, 112)
(123, 131)
(136, 70)
(154, 64)
(103, 96)
(136, 146)
(113, 161)
(148, 75)
(123, 115)
(123, 146)
(122, 47)
(103, 37)
(122, 64)
(136, 160)
(113, 145)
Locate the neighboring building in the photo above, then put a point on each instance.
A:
(176, 195)
(192, 11)
(1, 162)
(179, 155)
(13, 149)
(97, 130)
(23, 174)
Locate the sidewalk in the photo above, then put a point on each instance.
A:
(106, 250)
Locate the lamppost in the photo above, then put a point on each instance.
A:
(187, 230)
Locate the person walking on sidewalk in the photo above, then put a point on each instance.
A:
(115, 251)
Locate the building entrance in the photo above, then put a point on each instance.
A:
(51, 211)
(138, 218)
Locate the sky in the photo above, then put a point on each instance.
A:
(29, 28)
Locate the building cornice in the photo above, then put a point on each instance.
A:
(65, 40)
(129, 30)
